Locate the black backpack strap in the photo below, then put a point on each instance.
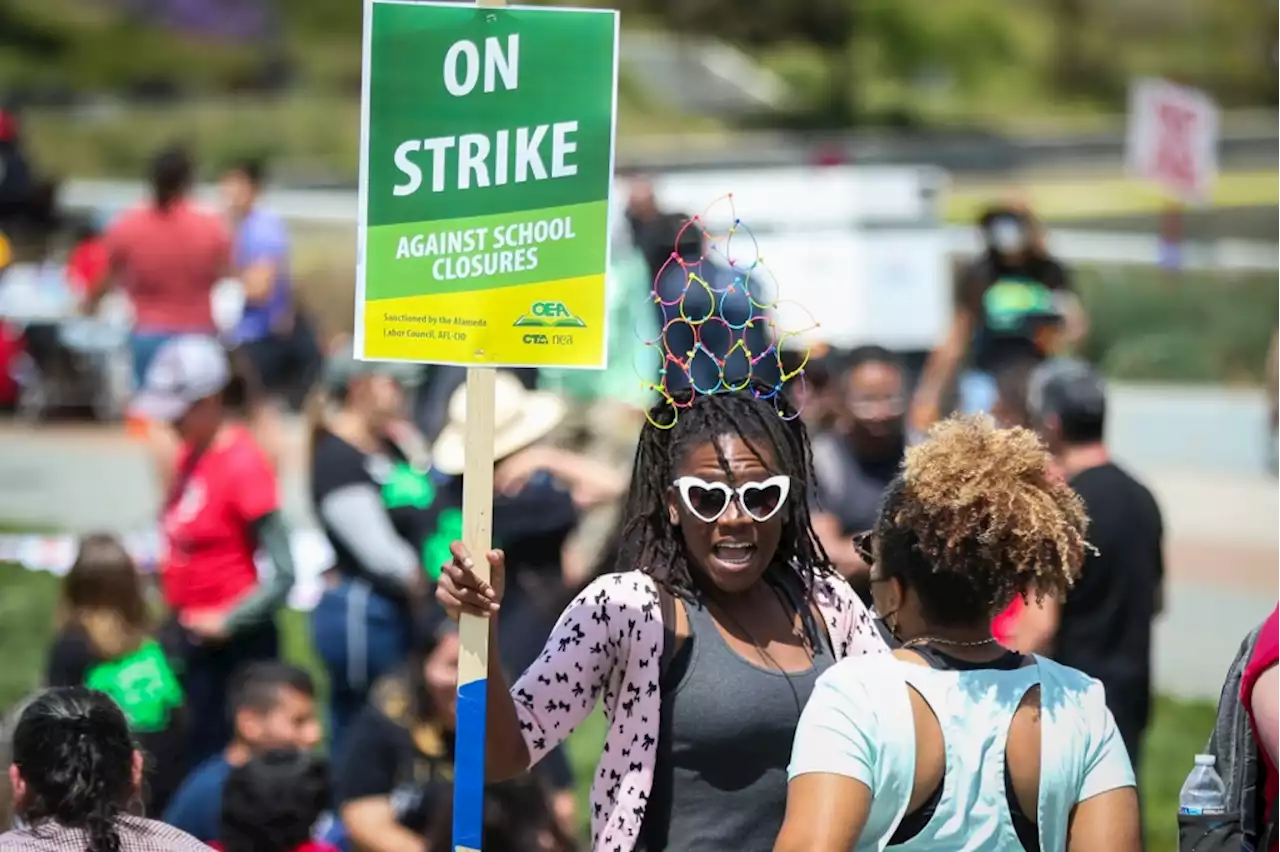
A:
(667, 609)
(653, 831)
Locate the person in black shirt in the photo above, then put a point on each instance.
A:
(539, 491)
(105, 641)
(378, 504)
(858, 459)
(516, 819)
(1014, 304)
(16, 177)
(394, 783)
(1103, 628)
(397, 763)
(653, 231)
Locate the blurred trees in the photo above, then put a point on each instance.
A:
(1226, 47)
(860, 41)
(864, 55)
(57, 49)
(826, 25)
(1070, 62)
(1080, 50)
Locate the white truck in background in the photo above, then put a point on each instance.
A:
(863, 250)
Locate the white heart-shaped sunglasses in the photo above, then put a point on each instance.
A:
(707, 501)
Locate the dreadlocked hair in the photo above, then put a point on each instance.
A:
(974, 518)
(763, 420)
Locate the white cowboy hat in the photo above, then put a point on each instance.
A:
(520, 417)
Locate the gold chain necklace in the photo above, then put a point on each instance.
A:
(930, 640)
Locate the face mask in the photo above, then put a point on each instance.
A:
(888, 619)
(1007, 235)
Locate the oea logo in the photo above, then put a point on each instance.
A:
(550, 310)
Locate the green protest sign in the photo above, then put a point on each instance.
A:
(486, 164)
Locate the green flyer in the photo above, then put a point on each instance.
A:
(487, 139)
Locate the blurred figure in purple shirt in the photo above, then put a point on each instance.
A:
(277, 339)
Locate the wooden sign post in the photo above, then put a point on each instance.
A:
(473, 631)
(486, 162)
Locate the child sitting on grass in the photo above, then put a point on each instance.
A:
(107, 640)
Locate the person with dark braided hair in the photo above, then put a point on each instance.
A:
(704, 644)
(77, 777)
(953, 742)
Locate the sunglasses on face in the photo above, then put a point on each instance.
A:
(869, 408)
(707, 501)
(862, 543)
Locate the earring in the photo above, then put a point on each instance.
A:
(890, 621)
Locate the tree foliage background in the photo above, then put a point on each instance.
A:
(851, 53)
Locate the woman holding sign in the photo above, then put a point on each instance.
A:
(704, 647)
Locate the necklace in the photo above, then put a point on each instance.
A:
(798, 628)
(765, 655)
(930, 640)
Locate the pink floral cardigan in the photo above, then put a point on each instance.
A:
(609, 641)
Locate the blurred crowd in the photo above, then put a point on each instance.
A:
(233, 747)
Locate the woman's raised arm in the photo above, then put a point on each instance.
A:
(562, 685)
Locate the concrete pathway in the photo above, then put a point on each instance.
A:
(1221, 563)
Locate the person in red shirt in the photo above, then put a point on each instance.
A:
(166, 255)
(88, 264)
(1260, 696)
(222, 507)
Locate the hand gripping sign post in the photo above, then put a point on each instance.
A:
(486, 160)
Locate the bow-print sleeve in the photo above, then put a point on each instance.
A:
(583, 659)
(849, 621)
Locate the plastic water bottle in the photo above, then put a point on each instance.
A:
(1203, 793)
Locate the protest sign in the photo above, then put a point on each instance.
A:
(486, 159)
(486, 165)
(1172, 139)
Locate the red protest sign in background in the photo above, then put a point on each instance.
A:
(1173, 139)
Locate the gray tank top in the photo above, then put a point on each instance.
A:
(720, 781)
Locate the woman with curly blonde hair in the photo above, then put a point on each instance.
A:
(953, 742)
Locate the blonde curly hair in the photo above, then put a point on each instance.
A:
(975, 517)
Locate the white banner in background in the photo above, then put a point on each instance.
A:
(54, 554)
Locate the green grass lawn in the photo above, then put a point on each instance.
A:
(27, 601)
(26, 625)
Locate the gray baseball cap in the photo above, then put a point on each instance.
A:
(342, 368)
(184, 371)
(1067, 388)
